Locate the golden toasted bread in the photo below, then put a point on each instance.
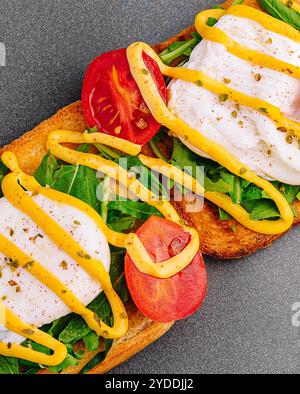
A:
(217, 237)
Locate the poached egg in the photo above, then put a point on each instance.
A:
(247, 134)
(27, 297)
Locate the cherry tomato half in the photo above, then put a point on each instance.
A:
(113, 102)
(175, 298)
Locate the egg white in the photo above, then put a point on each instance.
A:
(29, 299)
(251, 137)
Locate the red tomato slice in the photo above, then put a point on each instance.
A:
(175, 298)
(113, 102)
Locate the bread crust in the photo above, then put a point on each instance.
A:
(217, 238)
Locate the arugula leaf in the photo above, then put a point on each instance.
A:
(38, 348)
(120, 224)
(224, 215)
(264, 209)
(183, 158)
(252, 193)
(218, 186)
(9, 366)
(138, 210)
(235, 191)
(91, 341)
(154, 146)
(180, 48)
(32, 371)
(103, 196)
(98, 358)
(78, 181)
(107, 152)
(280, 11)
(77, 329)
(58, 326)
(70, 361)
(290, 192)
(93, 363)
(44, 174)
(211, 21)
(244, 183)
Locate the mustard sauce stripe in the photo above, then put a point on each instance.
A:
(292, 4)
(96, 138)
(166, 269)
(109, 168)
(272, 112)
(162, 114)
(40, 273)
(21, 200)
(223, 201)
(14, 324)
(267, 21)
(216, 35)
(49, 280)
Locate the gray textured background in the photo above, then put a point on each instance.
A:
(245, 323)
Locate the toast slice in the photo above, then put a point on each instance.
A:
(217, 238)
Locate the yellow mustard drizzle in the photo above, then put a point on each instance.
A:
(222, 200)
(131, 242)
(107, 167)
(265, 20)
(289, 126)
(268, 22)
(13, 323)
(21, 200)
(99, 138)
(162, 114)
(291, 4)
